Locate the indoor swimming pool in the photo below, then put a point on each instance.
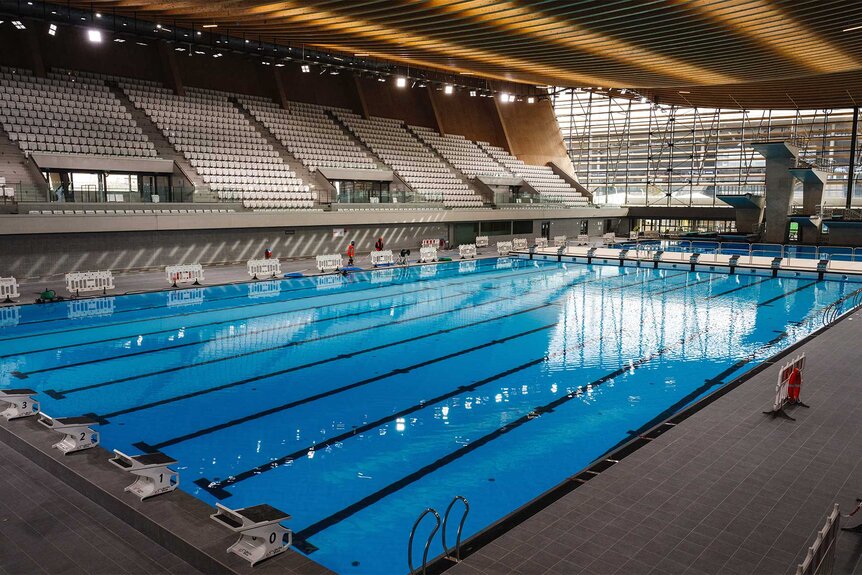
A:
(353, 403)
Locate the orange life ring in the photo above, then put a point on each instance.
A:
(794, 384)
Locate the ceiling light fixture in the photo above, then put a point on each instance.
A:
(18, 24)
(305, 68)
(401, 82)
(94, 36)
(52, 30)
(448, 89)
(531, 100)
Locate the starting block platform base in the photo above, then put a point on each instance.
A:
(260, 534)
(154, 477)
(77, 431)
(19, 403)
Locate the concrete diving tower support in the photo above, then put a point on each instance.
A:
(809, 220)
(781, 157)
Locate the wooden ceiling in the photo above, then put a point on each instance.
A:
(769, 53)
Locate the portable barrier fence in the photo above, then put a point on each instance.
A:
(382, 258)
(98, 281)
(503, 248)
(431, 243)
(328, 262)
(270, 268)
(559, 241)
(184, 274)
(583, 240)
(467, 251)
(9, 289)
(481, 241)
(519, 244)
(820, 558)
(788, 387)
(633, 235)
(427, 254)
(541, 242)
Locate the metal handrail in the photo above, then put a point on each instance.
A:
(427, 543)
(460, 526)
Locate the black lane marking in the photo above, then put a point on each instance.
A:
(245, 318)
(309, 399)
(461, 452)
(785, 294)
(740, 288)
(249, 333)
(217, 299)
(694, 394)
(61, 394)
(104, 418)
(191, 313)
(688, 285)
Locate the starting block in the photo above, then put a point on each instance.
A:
(260, 535)
(19, 403)
(154, 476)
(78, 433)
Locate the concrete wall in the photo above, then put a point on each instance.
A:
(39, 255)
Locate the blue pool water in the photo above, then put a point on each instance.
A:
(354, 403)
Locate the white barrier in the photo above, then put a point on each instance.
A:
(270, 268)
(93, 307)
(467, 251)
(77, 282)
(820, 559)
(9, 289)
(431, 243)
(503, 248)
(559, 241)
(427, 254)
(481, 241)
(583, 240)
(541, 243)
(519, 244)
(184, 274)
(633, 235)
(328, 262)
(382, 258)
(782, 387)
(609, 238)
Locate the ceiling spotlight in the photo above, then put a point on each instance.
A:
(159, 26)
(94, 36)
(141, 43)
(280, 65)
(219, 55)
(472, 93)
(98, 15)
(52, 30)
(306, 68)
(200, 53)
(119, 40)
(198, 33)
(511, 97)
(179, 49)
(18, 24)
(381, 79)
(210, 26)
(423, 85)
(448, 89)
(531, 100)
(401, 82)
(265, 63)
(504, 97)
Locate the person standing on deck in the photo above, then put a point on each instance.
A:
(378, 245)
(351, 253)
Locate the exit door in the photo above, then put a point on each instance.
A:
(546, 230)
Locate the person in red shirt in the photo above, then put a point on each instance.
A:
(351, 253)
(378, 245)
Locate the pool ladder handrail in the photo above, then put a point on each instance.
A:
(446, 550)
(427, 543)
(457, 548)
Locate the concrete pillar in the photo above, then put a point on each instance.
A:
(780, 158)
(812, 195)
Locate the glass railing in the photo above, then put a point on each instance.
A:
(832, 253)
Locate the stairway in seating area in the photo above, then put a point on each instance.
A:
(164, 148)
(315, 181)
(20, 172)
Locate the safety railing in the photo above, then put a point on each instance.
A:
(427, 543)
(452, 553)
(820, 558)
(742, 249)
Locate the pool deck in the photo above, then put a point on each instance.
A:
(154, 280)
(727, 490)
